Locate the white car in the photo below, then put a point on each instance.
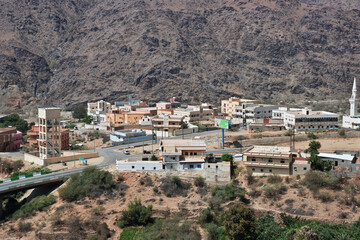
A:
(126, 152)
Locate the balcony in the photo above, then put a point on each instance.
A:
(264, 164)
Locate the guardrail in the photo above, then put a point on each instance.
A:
(24, 176)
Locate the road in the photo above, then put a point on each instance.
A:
(110, 156)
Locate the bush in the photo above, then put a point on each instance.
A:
(274, 179)
(102, 231)
(311, 135)
(37, 204)
(129, 233)
(274, 191)
(154, 158)
(173, 186)
(342, 132)
(120, 178)
(314, 180)
(169, 229)
(147, 181)
(91, 183)
(136, 215)
(206, 216)
(249, 177)
(227, 193)
(70, 125)
(74, 224)
(24, 226)
(324, 196)
(200, 182)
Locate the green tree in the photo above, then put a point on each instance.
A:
(268, 228)
(311, 135)
(314, 146)
(239, 222)
(154, 158)
(226, 157)
(14, 120)
(316, 162)
(87, 119)
(79, 112)
(136, 215)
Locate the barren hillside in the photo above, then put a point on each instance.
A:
(68, 52)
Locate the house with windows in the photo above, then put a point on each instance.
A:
(182, 154)
(267, 160)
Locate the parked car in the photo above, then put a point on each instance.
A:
(126, 152)
(76, 128)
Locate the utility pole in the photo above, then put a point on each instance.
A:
(152, 137)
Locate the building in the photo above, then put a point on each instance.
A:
(183, 154)
(129, 136)
(228, 106)
(133, 165)
(167, 125)
(278, 114)
(338, 160)
(10, 139)
(195, 113)
(353, 120)
(33, 139)
(267, 160)
(131, 102)
(250, 112)
(98, 110)
(49, 132)
(306, 119)
(300, 166)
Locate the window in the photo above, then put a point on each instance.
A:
(270, 160)
(342, 161)
(186, 153)
(270, 170)
(154, 168)
(191, 153)
(304, 168)
(217, 166)
(254, 160)
(198, 166)
(295, 169)
(208, 166)
(133, 167)
(143, 168)
(261, 170)
(191, 166)
(195, 153)
(282, 161)
(253, 169)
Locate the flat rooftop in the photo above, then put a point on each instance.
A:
(269, 150)
(183, 142)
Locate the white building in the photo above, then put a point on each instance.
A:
(352, 121)
(129, 165)
(98, 110)
(279, 113)
(306, 119)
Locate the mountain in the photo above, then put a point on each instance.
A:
(69, 52)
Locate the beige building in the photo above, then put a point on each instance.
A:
(300, 166)
(182, 154)
(228, 106)
(195, 113)
(267, 160)
(166, 125)
(49, 132)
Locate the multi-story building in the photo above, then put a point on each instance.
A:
(10, 139)
(33, 139)
(195, 114)
(228, 106)
(353, 120)
(167, 105)
(183, 154)
(49, 132)
(306, 119)
(279, 113)
(167, 125)
(267, 160)
(249, 112)
(98, 110)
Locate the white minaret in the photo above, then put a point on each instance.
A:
(353, 101)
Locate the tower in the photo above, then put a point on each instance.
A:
(49, 132)
(353, 101)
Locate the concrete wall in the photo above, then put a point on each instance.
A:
(139, 166)
(33, 157)
(268, 171)
(300, 168)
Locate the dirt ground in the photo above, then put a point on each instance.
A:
(331, 144)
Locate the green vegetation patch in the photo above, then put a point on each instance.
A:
(91, 183)
(174, 186)
(37, 204)
(129, 233)
(136, 215)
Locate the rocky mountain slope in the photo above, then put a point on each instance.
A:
(68, 52)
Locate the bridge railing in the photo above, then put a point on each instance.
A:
(24, 176)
